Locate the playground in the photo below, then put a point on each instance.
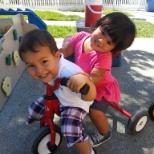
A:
(136, 82)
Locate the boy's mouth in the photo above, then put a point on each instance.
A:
(43, 76)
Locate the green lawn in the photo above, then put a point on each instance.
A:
(144, 28)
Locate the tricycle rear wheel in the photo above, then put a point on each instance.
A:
(137, 122)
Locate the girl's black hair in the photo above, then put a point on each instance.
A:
(120, 28)
(35, 38)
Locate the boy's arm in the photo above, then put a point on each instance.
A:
(76, 82)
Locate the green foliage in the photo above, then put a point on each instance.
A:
(61, 31)
(144, 29)
(6, 16)
(49, 15)
(110, 11)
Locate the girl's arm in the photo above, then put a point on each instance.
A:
(76, 82)
(66, 48)
(96, 75)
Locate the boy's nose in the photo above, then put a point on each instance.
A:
(39, 70)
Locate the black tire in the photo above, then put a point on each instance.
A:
(40, 143)
(151, 112)
(137, 122)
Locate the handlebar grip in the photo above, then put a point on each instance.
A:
(84, 90)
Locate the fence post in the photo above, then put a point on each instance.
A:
(83, 2)
(138, 5)
(114, 4)
(32, 3)
(6, 2)
(58, 4)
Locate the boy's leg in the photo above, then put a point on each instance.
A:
(99, 119)
(71, 119)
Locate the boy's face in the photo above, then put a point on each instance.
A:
(42, 65)
(101, 42)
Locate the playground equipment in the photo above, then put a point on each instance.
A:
(150, 5)
(11, 32)
(32, 17)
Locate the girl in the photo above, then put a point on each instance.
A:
(93, 53)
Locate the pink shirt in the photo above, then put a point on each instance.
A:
(108, 87)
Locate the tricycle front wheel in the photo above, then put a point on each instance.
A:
(41, 141)
(138, 121)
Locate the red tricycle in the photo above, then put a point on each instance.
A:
(49, 137)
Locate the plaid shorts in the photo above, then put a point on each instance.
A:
(36, 110)
(71, 119)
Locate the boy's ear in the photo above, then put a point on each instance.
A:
(57, 55)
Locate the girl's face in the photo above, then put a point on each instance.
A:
(101, 42)
(42, 65)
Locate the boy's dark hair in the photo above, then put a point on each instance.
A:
(35, 38)
(120, 28)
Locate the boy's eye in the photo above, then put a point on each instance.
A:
(44, 61)
(30, 66)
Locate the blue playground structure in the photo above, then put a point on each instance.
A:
(32, 17)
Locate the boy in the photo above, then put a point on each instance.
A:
(44, 62)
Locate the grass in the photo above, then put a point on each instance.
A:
(110, 11)
(144, 28)
(62, 31)
(48, 15)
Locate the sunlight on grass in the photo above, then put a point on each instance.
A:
(144, 29)
(61, 31)
(49, 15)
(110, 11)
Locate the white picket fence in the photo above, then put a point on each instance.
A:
(74, 4)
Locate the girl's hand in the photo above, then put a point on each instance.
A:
(76, 82)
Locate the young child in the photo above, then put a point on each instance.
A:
(44, 62)
(93, 53)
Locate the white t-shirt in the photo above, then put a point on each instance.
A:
(64, 94)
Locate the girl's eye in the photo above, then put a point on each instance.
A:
(109, 43)
(103, 33)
